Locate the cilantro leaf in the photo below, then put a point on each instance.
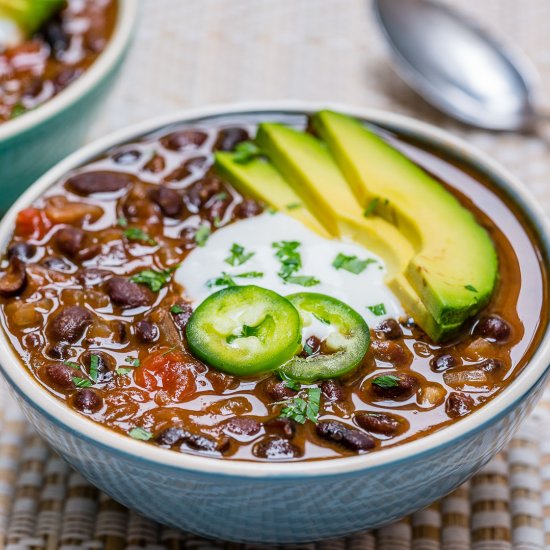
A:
(155, 280)
(227, 280)
(133, 361)
(81, 382)
(17, 110)
(289, 382)
(140, 433)
(121, 371)
(352, 263)
(305, 408)
(371, 207)
(303, 280)
(377, 309)
(94, 367)
(471, 288)
(202, 234)
(136, 234)
(75, 366)
(176, 308)
(245, 151)
(291, 262)
(386, 381)
(122, 222)
(238, 255)
(293, 205)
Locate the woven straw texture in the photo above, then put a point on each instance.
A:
(190, 53)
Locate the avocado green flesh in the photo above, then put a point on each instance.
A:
(29, 15)
(308, 166)
(262, 181)
(454, 268)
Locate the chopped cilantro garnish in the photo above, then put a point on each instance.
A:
(387, 381)
(220, 196)
(155, 280)
(291, 262)
(351, 263)
(72, 365)
(17, 110)
(81, 382)
(303, 280)
(121, 371)
(122, 222)
(140, 433)
(293, 205)
(305, 408)
(471, 288)
(175, 309)
(238, 255)
(289, 382)
(378, 309)
(371, 207)
(245, 152)
(202, 234)
(94, 367)
(227, 280)
(136, 234)
(133, 361)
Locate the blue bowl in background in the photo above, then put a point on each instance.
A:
(34, 142)
(282, 502)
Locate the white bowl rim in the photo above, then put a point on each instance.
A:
(118, 444)
(98, 70)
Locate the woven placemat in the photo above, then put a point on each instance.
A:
(190, 53)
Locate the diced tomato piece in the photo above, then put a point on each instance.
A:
(32, 223)
(172, 371)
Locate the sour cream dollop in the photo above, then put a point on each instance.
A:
(365, 292)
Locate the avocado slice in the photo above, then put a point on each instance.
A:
(307, 165)
(20, 18)
(259, 179)
(454, 267)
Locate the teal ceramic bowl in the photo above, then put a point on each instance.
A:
(282, 502)
(34, 142)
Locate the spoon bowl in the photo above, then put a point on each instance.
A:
(457, 66)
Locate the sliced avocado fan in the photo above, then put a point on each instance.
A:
(454, 267)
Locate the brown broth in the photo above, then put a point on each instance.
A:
(519, 299)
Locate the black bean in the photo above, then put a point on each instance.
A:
(127, 157)
(389, 329)
(242, 425)
(21, 250)
(228, 138)
(332, 390)
(155, 165)
(248, 208)
(378, 423)
(88, 183)
(32, 340)
(188, 241)
(276, 448)
(55, 35)
(198, 194)
(185, 309)
(390, 352)
(14, 279)
(350, 438)
(493, 366)
(70, 323)
(169, 200)
(493, 328)
(93, 276)
(405, 386)
(60, 376)
(176, 436)
(127, 294)
(216, 210)
(441, 363)
(70, 240)
(87, 401)
(183, 140)
(33, 87)
(458, 404)
(105, 365)
(56, 351)
(311, 347)
(284, 427)
(147, 332)
(190, 166)
(277, 390)
(65, 77)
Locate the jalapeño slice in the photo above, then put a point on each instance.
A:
(346, 342)
(244, 330)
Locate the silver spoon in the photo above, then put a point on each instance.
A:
(457, 66)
